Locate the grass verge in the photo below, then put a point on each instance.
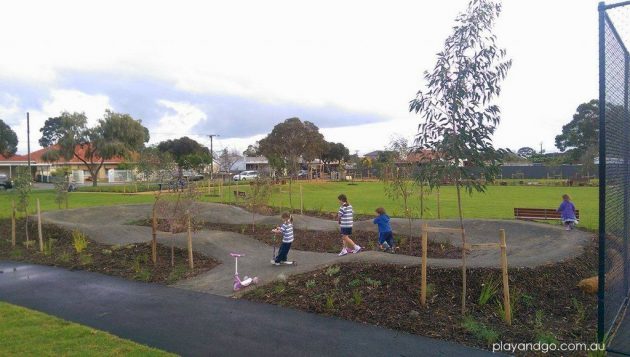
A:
(25, 332)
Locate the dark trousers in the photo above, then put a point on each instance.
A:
(283, 252)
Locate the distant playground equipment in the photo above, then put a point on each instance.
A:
(504, 265)
(247, 281)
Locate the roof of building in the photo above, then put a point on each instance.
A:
(256, 160)
(419, 156)
(37, 157)
(373, 153)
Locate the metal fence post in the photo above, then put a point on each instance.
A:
(602, 174)
(626, 124)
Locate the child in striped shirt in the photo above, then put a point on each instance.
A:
(287, 238)
(344, 217)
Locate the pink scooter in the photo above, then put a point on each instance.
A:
(247, 281)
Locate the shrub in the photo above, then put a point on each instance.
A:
(538, 319)
(279, 288)
(354, 283)
(479, 330)
(372, 282)
(48, 247)
(79, 241)
(143, 275)
(310, 284)
(333, 270)
(528, 300)
(85, 259)
(330, 302)
(356, 296)
(177, 273)
(515, 298)
(16, 253)
(488, 290)
(546, 337)
(65, 257)
(580, 313)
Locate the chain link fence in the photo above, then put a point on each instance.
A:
(614, 151)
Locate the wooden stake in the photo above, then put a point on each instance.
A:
(154, 236)
(190, 248)
(438, 203)
(423, 284)
(301, 200)
(13, 223)
(504, 270)
(236, 196)
(208, 186)
(39, 227)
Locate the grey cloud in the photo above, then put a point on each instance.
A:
(231, 116)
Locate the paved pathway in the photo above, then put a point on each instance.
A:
(196, 324)
(529, 244)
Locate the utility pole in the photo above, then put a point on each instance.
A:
(28, 145)
(211, 136)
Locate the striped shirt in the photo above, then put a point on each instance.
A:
(287, 232)
(345, 216)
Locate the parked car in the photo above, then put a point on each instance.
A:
(245, 176)
(5, 181)
(302, 174)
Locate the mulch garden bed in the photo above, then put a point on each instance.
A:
(330, 241)
(548, 306)
(132, 261)
(326, 241)
(272, 210)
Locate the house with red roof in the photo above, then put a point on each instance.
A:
(41, 169)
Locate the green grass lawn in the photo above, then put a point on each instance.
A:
(76, 200)
(25, 332)
(497, 202)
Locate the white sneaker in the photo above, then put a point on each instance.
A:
(343, 252)
(356, 249)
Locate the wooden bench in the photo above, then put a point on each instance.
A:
(539, 214)
(240, 194)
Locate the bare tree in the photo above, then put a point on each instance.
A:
(259, 196)
(400, 183)
(227, 158)
(179, 212)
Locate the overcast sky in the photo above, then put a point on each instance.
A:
(237, 68)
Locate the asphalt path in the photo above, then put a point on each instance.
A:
(190, 323)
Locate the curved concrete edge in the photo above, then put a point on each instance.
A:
(529, 244)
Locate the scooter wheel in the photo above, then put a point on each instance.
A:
(237, 286)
